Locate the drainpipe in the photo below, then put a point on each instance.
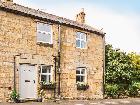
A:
(15, 71)
(55, 62)
(103, 65)
(59, 49)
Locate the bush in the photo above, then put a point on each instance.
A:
(134, 89)
(111, 90)
(123, 90)
(14, 96)
(123, 70)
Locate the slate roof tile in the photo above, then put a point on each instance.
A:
(19, 9)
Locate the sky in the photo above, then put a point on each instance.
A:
(120, 19)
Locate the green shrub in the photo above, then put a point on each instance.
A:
(14, 96)
(134, 89)
(123, 90)
(121, 69)
(111, 90)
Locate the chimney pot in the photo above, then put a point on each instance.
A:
(82, 9)
(81, 16)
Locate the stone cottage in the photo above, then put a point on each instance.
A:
(44, 52)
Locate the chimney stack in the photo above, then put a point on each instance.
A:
(8, 1)
(81, 16)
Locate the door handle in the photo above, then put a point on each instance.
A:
(34, 81)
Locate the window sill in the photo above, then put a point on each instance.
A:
(45, 44)
(81, 48)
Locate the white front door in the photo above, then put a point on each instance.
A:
(28, 82)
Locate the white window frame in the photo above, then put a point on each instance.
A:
(46, 33)
(80, 38)
(46, 74)
(85, 75)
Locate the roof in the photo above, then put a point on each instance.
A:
(26, 11)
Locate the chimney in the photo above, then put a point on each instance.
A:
(8, 1)
(81, 16)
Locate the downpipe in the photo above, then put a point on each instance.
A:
(15, 71)
(103, 66)
(55, 70)
(59, 57)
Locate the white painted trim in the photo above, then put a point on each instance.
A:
(82, 40)
(45, 32)
(51, 74)
(85, 75)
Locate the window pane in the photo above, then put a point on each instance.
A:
(82, 44)
(48, 38)
(78, 35)
(77, 78)
(49, 78)
(39, 37)
(81, 78)
(44, 37)
(77, 71)
(39, 26)
(83, 36)
(47, 27)
(43, 78)
(48, 69)
(77, 43)
(44, 27)
(83, 71)
(44, 69)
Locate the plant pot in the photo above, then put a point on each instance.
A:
(16, 100)
(39, 99)
(48, 86)
(83, 87)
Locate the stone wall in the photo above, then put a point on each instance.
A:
(18, 37)
(72, 57)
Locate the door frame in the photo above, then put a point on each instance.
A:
(36, 78)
